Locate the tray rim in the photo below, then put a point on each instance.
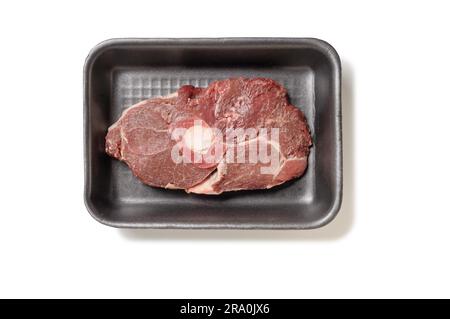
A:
(324, 47)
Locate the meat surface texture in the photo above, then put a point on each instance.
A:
(236, 134)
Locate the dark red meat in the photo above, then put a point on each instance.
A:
(145, 137)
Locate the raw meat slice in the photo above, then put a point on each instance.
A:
(236, 134)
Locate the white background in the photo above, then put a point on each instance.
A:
(391, 237)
